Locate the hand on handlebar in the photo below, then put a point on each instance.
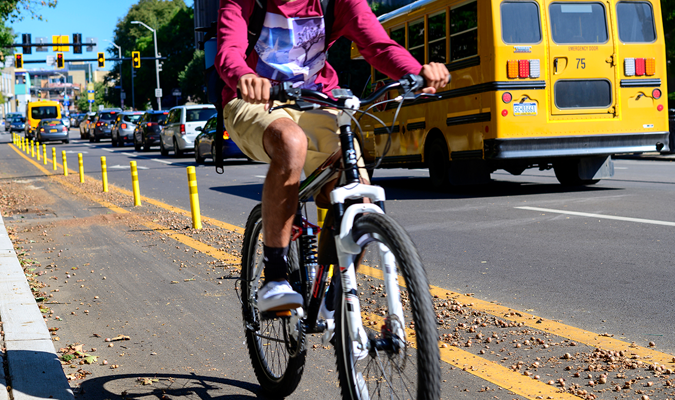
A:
(436, 76)
(255, 90)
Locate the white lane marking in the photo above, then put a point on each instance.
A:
(129, 154)
(260, 176)
(110, 150)
(126, 167)
(162, 161)
(615, 167)
(75, 152)
(602, 216)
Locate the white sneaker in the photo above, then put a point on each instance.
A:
(324, 312)
(277, 296)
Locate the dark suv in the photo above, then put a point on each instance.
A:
(102, 126)
(148, 129)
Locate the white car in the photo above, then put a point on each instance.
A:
(182, 127)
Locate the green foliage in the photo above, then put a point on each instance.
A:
(191, 79)
(99, 98)
(173, 21)
(11, 10)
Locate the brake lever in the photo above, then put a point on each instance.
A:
(299, 105)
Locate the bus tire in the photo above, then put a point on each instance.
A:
(567, 173)
(438, 162)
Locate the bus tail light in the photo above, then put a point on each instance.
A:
(656, 93)
(639, 66)
(506, 97)
(226, 135)
(523, 69)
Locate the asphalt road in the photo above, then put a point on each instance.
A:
(596, 258)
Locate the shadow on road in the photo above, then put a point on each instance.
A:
(419, 188)
(166, 386)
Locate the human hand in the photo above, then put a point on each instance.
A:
(435, 75)
(254, 89)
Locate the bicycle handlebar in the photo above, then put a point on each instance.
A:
(286, 92)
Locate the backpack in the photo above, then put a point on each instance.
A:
(215, 85)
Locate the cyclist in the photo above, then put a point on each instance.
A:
(292, 47)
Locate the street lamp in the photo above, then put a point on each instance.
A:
(119, 52)
(158, 91)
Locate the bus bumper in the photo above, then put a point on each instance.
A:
(571, 146)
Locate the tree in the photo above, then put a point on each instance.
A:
(10, 11)
(191, 79)
(99, 98)
(173, 21)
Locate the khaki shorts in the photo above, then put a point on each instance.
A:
(245, 123)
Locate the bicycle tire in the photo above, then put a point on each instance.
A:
(405, 363)
(276, 377)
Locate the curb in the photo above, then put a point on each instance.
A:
(35, 371)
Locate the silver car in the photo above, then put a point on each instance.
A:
(123, 127)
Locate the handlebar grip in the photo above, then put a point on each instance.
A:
(276, 93)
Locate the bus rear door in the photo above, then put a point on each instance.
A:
(582, 60)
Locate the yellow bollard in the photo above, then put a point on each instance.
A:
(44, 154)
(194, 198)
(134, 182)
(32, 148)
(104, 175)
(37, 150)
(54, 158)
(65, 163)
(81, 166)
(23, 144)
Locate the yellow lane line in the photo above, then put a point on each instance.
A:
(489, 371)
(506, 313)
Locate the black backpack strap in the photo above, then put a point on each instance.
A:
(255, 24)
(328, 7)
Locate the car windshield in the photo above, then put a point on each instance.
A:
(201, 114)
(132, 118)
(18, 119)
(44, 112)
(157, 117)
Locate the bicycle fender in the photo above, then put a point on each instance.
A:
(345, 242)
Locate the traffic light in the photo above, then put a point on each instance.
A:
(18, 61)
(101, 60)
(26, 39)
(77, 38)
(136, 59)
(60, 63)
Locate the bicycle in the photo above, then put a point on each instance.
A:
(373, 344)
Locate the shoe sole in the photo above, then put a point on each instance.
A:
(285, 307)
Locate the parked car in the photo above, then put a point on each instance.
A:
(9, 117)
(148, 129)
(50, 129)
(205, 144)
(17, 124)
(85, 124)
(180, 131)
(66, 122)
(123, 128)
(76, 119)
(102, 126)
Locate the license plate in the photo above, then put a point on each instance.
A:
(524, 109)
(53, 130)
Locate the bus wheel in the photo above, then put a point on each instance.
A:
(567, 173)
(438, 161)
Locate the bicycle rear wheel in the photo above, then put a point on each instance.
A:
(278, 359)
(392, 368)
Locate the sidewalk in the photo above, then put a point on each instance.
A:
(34, 369)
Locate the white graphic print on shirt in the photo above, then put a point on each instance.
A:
(291, 49)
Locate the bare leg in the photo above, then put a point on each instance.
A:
(286, 144)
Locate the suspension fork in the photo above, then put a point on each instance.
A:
(349, 156)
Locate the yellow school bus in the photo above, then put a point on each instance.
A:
(535, 84)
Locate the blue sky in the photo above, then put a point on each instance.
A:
(91, 18)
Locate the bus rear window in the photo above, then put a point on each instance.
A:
(43, 112)
(578, 23)
(520, 23)
(636, 22)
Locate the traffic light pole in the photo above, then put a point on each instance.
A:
(159, 89)
(119, 54)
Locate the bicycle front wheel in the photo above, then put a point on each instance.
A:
(278, 358)
(395, 367)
